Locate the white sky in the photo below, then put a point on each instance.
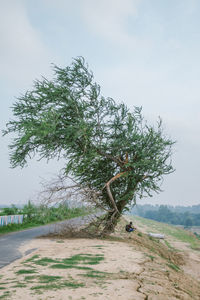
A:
(142, 52)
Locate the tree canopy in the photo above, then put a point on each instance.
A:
(107, 147)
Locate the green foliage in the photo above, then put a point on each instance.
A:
(6, 211)
(68, 117)
(40, 215)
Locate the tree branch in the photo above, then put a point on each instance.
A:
(107, 185)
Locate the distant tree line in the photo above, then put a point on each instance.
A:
(186, 216)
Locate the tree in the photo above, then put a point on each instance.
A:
(13, 210)
(110, 151)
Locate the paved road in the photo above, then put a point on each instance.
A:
(10, 243)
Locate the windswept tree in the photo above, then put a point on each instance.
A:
(110, 151)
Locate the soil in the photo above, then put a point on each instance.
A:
(127, 266)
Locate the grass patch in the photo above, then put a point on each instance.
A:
(48, 278)
(2, 288)
(28, 278)
(174, 267)
(19, 285)
(5, 294)
(25, 271)
(73, 285)
(44, 261)
(78, 261)
(95, 274)
(63, 266)
(61, 285)
(87, 259)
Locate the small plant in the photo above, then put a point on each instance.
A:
(174, 267)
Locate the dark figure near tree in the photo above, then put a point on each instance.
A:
(130, 227)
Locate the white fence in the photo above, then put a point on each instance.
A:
(5, 220)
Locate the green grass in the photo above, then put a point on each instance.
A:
(50, 282)
(48, 278)
(170, 230)
(87, 259)
(25, 271)
(76, 261)
(174, 267)
(32, 258)
(62, 266)
(44, 261)
(29, 278)
(5, 295)
(19, 285)
(95, 274)
(61, 285)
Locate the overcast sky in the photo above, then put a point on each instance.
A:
(142, 52)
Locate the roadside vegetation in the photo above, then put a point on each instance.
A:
(40, 215)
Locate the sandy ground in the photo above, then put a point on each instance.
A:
(104, 269)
